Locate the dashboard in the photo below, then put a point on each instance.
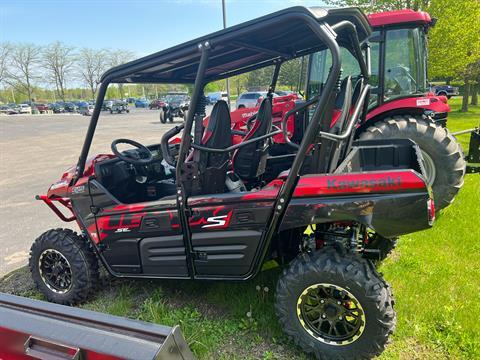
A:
(129, 182)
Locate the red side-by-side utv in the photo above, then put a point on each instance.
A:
(213, 208)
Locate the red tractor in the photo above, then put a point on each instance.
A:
(400, 104)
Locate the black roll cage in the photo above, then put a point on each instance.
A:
(327, 35)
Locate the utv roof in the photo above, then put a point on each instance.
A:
(254, 44)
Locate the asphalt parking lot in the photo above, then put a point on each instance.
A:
(34, 152)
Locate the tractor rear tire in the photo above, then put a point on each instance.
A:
(443, 156)
(326, 290)
(63, 266)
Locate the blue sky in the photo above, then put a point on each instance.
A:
(143, 26)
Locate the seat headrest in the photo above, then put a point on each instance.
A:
(219, 121)
(264, 117)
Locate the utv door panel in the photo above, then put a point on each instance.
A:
(225, 238)
(164, 256)
(225, 252)
(122, 255)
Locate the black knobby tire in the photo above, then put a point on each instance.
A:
(163, 118)
(81, 260)
(352, 273)
(445, 153)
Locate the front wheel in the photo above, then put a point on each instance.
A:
(442, 155)
(63, 266)
(335, 306)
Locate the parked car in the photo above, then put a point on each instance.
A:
(8, 110)
(287, 92)
(42, 108)
(107, 105)
(119, 107)
(86, 109)
(81, 103)
(445, 90)
(57, 108)
(141, 103)
(24, 109)
(157, 104)
(71, 107)
(249, 99)
(212, 98)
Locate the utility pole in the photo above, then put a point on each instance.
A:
(224, 26)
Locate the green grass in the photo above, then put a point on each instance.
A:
(434, 274)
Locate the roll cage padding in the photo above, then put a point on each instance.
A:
(249, 161)
(164, 146)
(343, 102)
(328, 152)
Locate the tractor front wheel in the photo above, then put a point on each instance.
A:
(63, 266)
(443, 157)
(335, 306)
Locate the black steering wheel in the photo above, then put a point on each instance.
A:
(141, 157)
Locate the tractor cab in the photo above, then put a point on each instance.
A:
(396, 55)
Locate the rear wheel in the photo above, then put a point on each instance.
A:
(63, 266)
(443, 157)
(163, 118)
(335, 306)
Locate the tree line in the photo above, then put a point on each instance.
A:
(25, 68)
(454, 56)
(28, 70)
